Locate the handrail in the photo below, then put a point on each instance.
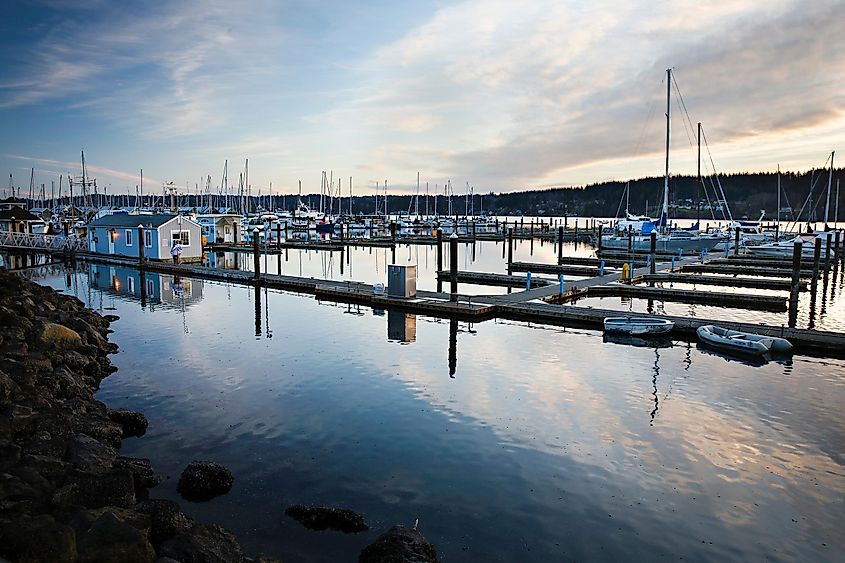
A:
(35, 241)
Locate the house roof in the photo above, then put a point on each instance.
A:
(18, 214)
(126, 220)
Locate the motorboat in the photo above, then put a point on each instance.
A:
(741, 342)
(637, 326)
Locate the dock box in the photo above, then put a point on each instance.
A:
(401, 281)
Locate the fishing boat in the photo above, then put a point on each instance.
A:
(637, 326)
(741, 342)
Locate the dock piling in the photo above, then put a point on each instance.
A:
(736, 242)
(141, 245)
(510, 248)
(453, 266)
(527, 280)
(559, 245)
(256, 254)
(652, 256)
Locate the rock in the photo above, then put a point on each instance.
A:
(204, 480)
(60, 337)
(133, 423)
(399, 545)
(110, 540)
(142, 471)
(102, 429)
(111, 318)
(115, 488)
(10, 454)
(38, 538)
(8, 388)
(203, 544)
(166, 520)
(90, 454)
(327, 518)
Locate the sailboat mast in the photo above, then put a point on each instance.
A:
(698, 191)
(665, 218)
(829, 182)
(778, 195)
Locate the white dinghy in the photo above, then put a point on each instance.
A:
(742, 342)
(637, 326)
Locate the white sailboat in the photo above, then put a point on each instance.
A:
(667, 241)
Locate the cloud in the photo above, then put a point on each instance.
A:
(64, 167)
(500, 94)
(522, 95)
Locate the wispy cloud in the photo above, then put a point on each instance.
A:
(504, 95)
(75, 168)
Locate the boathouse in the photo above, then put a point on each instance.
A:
(118, 234)
(19, 220)
(220, 227)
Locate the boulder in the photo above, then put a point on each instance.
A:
(38, 538)
(204, 480)
(166, 520)
(110, 540)
(142, 471)
(327, 518)
(60, 337)
(133, 423)
(203, 544)
(399, 545)
(115, 488)
(89, 454)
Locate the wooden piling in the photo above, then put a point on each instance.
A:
(653, 252)
(453, 266)
(256, 254)
(736, 241)
(141, 245)
(510, 249)
(559, 245)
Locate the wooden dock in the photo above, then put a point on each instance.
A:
(804, 340)
(500, 280)
(537, 268)
(719, 299)
(533, 305)
(729, 281)
(720, 268)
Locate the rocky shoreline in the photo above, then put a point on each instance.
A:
(66, 493)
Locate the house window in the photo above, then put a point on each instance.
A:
(228, 229)
(182, 237)
(148, 239)
(128, 237)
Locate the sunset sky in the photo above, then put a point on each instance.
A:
(502, 95)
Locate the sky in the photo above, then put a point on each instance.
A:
(500, 96)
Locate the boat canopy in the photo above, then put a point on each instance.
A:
(648, 227)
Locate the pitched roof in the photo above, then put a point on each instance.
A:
(18, 214)
(126, 220)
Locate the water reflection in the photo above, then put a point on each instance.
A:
(554, 430)
(401, 326)
(150, 289)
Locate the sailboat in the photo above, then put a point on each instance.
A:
(667, 241)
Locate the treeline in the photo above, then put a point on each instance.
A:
(747, 194)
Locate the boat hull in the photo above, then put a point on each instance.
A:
(637, 326)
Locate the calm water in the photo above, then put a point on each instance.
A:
(509, 442)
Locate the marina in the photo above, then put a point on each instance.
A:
(502, 282)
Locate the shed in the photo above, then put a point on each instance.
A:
(118, 234)
(220, 227)
(19, 220)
